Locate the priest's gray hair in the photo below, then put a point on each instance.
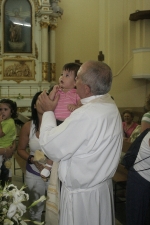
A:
(98, 76)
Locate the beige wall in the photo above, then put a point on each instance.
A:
(77, 32)
(88, 27)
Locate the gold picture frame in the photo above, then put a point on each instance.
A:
(18, 69)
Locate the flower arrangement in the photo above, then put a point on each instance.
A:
(11, 206)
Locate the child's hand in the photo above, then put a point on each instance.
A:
(52, 94)
(8, 152)
(1, 118)
(7, 164)
(56, 88)
(72, 107)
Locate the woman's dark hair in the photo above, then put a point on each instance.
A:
(34, 115)
(12, 105)
(129, 111)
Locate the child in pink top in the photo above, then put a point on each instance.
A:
(68, 100)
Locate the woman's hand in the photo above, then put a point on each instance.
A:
(39, 166)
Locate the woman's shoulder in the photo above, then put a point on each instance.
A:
(146, 115)
(27, 125)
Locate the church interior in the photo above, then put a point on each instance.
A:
(39, 36)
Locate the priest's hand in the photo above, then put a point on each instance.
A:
(46, 103)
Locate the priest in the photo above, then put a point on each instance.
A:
(87, 145)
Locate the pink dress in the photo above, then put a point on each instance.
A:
(128, 131)
(70, 97)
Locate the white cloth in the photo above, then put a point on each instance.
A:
(36, 186)
(88, 145)
(53, 197)
(144, 152)
(33, 144)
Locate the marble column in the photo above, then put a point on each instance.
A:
(52, 54)
(44, 50)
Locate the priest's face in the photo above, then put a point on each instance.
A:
(82, 89)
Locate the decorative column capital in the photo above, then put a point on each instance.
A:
(44, 71)
(53, 26)
(52, 72)
(44, 24)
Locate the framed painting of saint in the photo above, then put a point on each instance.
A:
(17, 26)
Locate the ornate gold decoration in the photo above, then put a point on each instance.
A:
(44, 71)
(22, 109)
(36, 51)
(20, 96)
(36, 5)
(44, 24)
(18, 69)
(53, 27)
(53, 21)
(52, 71)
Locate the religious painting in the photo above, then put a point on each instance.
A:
(18, 69)
(17, 26)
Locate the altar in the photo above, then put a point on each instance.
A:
(27, 48)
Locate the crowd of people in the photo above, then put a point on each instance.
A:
(75, 138)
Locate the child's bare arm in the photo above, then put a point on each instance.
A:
(53, 92)
(1, 131)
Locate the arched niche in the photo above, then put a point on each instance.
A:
(17, 27)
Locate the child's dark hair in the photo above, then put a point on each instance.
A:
(34, 115)
(12, 105)
(72, 67)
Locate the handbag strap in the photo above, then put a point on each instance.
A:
(139, 162)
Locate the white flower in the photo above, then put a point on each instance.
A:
(8, 222)
(22, 222)
(38, 223)
(41, 199)
(11, 206)
(12, 210)
(14, 207)
(4, 210)
(3, 203)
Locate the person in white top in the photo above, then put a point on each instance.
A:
(138, 186)
(88, 145)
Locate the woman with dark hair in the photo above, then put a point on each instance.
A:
(128, 124)
(29, 135)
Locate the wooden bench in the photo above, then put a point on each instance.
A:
(120, 177)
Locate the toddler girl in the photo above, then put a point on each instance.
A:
(68, 100)
(8, 111)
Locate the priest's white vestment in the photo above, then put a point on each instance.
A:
(88, 145)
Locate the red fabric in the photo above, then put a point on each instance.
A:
(128, 131)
